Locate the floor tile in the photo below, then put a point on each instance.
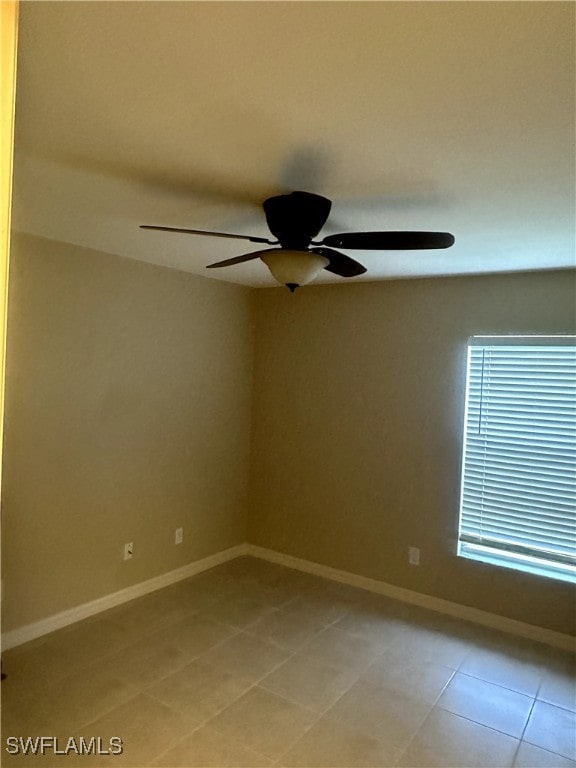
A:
(561, 660)
(516, 674)
(206, 748)
(49, 757)
(422, 644)
(343, 593)
(306, 582)
(329, 744)
(378, 712)
(342, 649)
(246, 656)
(201, 591)
(552, 728)
(374, 622)
(68, 703)
(238, 611)
(514, 647)
(253, 568)
(487, 704)
(449, 741)
(276, 594)
(161, 654)
(150, 613)
(288, 630)
(559, 689)
(33, 665)
(530, 756)
(147, 729)
(318, 606)
(420, 681)
(89, 640)
(26, 715)
(199, 690)
(264, 722)
(197, 634)
(309, 682)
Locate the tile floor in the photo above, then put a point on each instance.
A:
(253, 664)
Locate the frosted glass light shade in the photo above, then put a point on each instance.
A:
(293, 267)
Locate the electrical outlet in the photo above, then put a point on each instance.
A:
(178, 535)
(414, 555)
(128, 550)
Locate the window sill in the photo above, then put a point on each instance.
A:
(524, 563)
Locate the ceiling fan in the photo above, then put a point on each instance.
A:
(295, 219)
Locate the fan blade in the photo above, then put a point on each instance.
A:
(238, 259)
(339, 263)
(210, 234)
(390, 241)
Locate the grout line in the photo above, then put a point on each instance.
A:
(498, 685)
(521, 737)
(547, 750)
(209, 720)
(199, 727)
(476, 722)
(325, 711)
(402, 752)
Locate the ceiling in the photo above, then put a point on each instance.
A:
(448, 116)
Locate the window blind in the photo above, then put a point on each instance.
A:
(518, 497)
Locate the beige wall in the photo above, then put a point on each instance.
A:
(127, 415)
(356, 438)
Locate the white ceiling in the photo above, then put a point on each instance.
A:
(449, 116)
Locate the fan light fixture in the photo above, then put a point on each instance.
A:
(293, 268)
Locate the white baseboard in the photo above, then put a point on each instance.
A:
(79, 612)
(511, 626)
(475, 615)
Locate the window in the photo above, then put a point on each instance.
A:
(518, 495)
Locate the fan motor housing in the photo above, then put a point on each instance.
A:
(296, 218)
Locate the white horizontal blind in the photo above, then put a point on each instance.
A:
(518, 501)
